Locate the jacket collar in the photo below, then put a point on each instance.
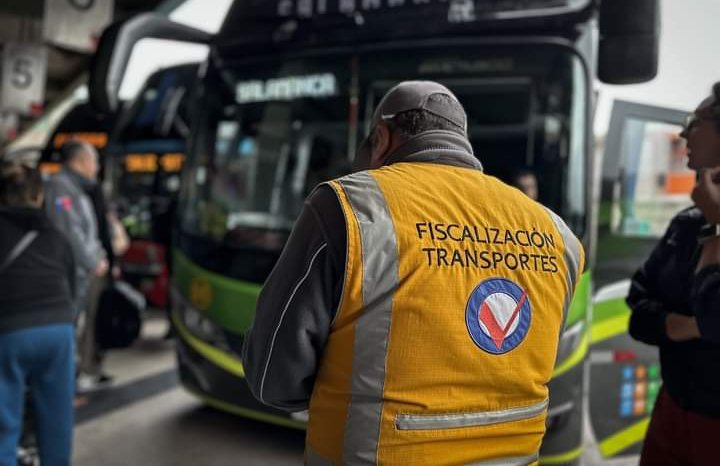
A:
(444, 147)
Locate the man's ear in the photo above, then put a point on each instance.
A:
(380, 146)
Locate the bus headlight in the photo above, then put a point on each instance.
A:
(570, 341)
(301, 416)
(203, 328)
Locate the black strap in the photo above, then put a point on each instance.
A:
(19, 248)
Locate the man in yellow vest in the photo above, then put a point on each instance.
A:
(418, 304)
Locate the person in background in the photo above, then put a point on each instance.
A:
(37, 340)
(72, 211)
(675, 303)
(526, 181)
(104, 230)
(115, 242)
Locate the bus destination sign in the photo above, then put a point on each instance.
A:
(457, 10)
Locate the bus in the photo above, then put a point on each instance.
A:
(286, 95)
(145, 160)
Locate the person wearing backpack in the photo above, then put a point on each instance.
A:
(37, 340)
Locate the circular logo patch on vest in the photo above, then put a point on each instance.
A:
(498, 315)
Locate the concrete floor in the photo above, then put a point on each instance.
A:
(175, 429)
(164, 425)
(147, 419)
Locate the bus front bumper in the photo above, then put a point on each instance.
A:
(206, 375)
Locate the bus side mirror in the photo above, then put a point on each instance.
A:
(110, 61)
(629, 41)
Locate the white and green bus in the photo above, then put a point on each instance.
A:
(285, 97)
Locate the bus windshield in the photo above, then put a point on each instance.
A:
(271, 130)
(255, 161)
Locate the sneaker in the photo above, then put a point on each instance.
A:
(91, 382)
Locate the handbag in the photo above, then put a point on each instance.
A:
(119, 316)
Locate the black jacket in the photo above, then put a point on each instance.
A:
(667, 283)
(37, 288)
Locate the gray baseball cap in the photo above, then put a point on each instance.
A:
(413, 95)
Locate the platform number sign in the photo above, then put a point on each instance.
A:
(76, 24)
(24, 69)
(21, 77)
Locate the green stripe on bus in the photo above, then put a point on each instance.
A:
(609, 328)
(249, 413)
(624, 439)
(580, 304)
(216, 356)
(562, 458)
(229, 303)
(605, 310)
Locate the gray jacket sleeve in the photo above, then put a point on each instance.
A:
(74, 216)
(295, 309)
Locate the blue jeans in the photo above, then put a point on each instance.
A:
(41, 361)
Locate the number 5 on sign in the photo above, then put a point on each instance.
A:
(24, 69)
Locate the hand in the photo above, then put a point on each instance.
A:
(102, 268)
(116, 272)
(706, 194)
(710, 254)
(681, 327)
(118, 235)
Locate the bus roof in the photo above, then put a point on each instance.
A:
(288, 24)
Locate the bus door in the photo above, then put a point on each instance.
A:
(644, 183)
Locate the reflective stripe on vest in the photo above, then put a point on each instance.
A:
(380, 279)
(572, 256)
(456, 420)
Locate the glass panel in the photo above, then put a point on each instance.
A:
(655, 183)
(645, 183)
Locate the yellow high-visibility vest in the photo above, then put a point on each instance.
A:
(456, 288)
